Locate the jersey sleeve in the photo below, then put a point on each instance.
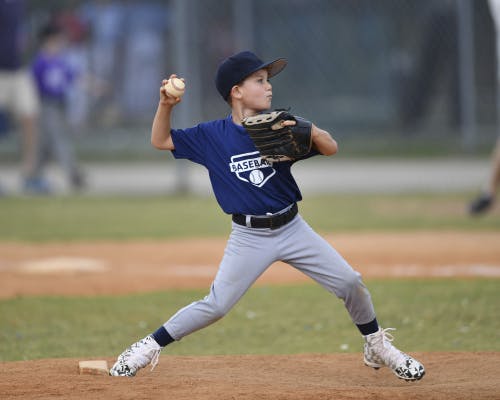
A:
(190, 143)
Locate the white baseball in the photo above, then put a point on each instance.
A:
(256, 176)
(175, 87)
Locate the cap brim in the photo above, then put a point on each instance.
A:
(275, 67)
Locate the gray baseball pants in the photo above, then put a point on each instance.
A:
(249, 252)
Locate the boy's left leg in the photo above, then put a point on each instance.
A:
(247, 255)
(305, 250)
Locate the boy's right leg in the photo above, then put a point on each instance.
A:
(246, 257)
(327, 267)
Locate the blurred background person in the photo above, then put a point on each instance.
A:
(143, 42)
(77, 56)
(437, 62)
(485, 200)
(106, 22)
(54, 77)
(17, 91)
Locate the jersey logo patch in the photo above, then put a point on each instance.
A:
(251, 168)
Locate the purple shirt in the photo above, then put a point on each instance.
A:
(53, 76)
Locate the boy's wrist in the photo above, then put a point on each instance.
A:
(165, 104)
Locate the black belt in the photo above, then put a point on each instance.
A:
(272, 221)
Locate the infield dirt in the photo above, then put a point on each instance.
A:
(458, 376)
(104, 268)
(113, 268)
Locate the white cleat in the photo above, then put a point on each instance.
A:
(140, 354)
(379, 352)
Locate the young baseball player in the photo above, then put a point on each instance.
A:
(266, 225)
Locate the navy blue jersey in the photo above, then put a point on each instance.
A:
(242, 182)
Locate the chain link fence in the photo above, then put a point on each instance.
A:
(376, 73)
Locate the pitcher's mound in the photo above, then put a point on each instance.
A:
(457, 376)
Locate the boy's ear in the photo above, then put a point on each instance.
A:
(236, 92)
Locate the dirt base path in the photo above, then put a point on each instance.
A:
(79, 268)
(458, 376)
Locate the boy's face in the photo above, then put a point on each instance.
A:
(256, 91)
(55, 43)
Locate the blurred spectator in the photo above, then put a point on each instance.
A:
(437, 62)
(54, 77)
(143, 64)
(4, 123)
(77, 57)
(485, 200)
(105, 19)
(17, 92)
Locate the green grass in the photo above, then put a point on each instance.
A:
(447, 315)
(459, 315)
(118, 218)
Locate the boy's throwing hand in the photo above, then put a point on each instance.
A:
(165, 97)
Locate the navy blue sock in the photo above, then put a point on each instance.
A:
(369, 328)
(162, 337)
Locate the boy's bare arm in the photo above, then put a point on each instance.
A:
(160, 132)
(323, 142)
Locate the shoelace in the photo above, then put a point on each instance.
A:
(388, 336)
(129, 355)
(392, 353)
(384, 335)
(155, 359)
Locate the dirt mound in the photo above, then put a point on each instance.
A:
(310, 376)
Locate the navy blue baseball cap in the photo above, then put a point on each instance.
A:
(236, 68)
